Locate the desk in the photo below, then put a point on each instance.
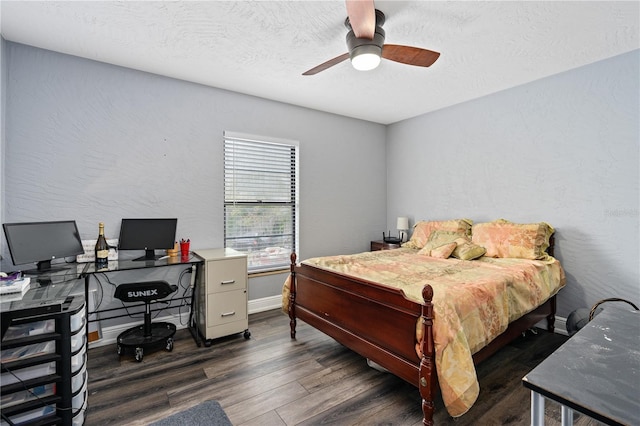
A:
(90, 268)
(193, 260)
(596, 372)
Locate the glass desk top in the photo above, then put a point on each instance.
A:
(90, 268)
(44, 290)
(52, 288)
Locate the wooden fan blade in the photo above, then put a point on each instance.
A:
(328, 64)
(362, 17)
(409, 55)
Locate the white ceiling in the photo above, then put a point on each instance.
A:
(261, 48)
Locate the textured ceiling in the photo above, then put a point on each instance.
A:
(262, 48)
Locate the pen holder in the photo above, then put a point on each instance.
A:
(184, 248)
(173, 252)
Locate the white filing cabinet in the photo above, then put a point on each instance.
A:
(222, 294)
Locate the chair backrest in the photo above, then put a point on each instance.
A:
(146, 291)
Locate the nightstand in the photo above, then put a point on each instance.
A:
(381, 245)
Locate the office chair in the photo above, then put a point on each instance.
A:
(150, 334)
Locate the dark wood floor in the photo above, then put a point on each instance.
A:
(313, 380)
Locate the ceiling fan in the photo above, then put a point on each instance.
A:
(365, 41)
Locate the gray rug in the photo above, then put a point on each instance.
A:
(208, 413)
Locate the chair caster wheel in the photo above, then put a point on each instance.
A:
(247, 334)
(139, 354)
(119, 350)
(169, 346)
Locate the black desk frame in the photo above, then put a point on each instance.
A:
(193, 260)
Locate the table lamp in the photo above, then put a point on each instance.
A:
(402, 225)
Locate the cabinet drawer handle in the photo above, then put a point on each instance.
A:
(227, 314)
(228, 282)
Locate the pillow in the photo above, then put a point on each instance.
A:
(466, 250)
(439, 243)
(423, 229)
(502, 238)
(441, 252)
(439, 237)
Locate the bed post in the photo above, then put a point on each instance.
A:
(427, 363)
(292, 297)
(551, 318)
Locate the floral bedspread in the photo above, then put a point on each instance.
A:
(473, 302)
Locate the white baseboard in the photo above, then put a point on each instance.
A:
(561, 326)
(265, 304)
(110, 334)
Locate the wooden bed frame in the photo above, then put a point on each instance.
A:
(379, 323)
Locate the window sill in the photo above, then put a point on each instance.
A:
(267, 273)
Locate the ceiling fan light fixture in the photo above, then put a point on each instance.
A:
(366, 50)
(365, 54)
(366, 57)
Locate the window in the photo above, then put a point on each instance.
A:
(261, 199)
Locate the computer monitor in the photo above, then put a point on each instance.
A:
(148, 235)
(42, 242)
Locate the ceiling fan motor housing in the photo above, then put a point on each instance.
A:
(358, 46)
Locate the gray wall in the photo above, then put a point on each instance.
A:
(3, 86)
(95, 142)
(564, 149)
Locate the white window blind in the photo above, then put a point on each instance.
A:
(261, 199)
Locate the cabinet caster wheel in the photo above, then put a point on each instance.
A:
(119, 350)
(247, 334)
(169, 346)
(139, 354)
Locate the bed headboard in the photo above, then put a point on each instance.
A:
(552, 243)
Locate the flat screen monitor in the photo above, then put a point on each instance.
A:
(42, 242)
(148, 235)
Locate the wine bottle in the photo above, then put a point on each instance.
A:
(102, 248)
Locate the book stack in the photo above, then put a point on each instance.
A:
(14, 289)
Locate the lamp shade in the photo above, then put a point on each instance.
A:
(403, 223)
(365, 58)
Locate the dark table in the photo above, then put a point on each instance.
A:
(596, 372)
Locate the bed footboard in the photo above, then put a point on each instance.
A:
(356, 313)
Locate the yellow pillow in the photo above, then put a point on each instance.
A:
(502, 238)
(423, 229)
(466, 250)
(441, 252)
(438, 238)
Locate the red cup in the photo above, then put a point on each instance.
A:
(184, 248)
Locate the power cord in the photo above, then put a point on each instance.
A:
(610, 299)
(169, 301)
